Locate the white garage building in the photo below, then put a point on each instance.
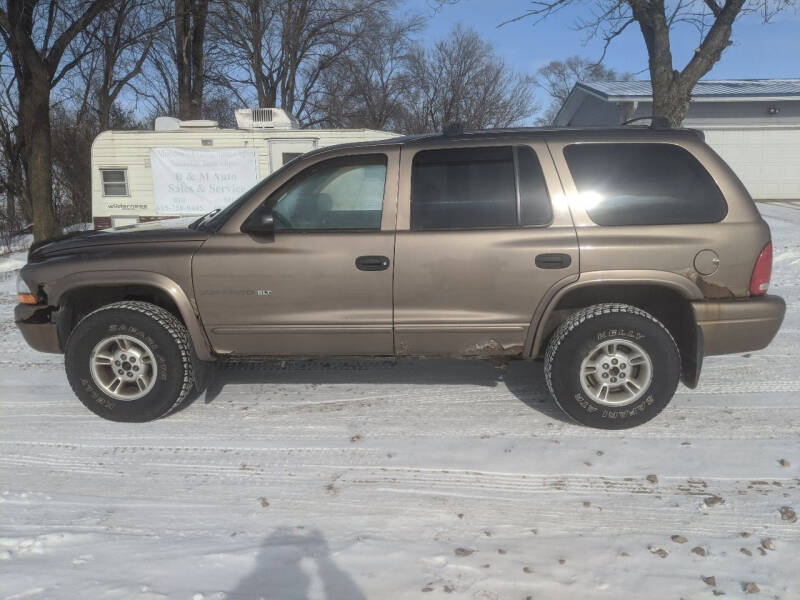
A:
(754, 124)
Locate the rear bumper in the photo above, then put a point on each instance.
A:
(37, 327)
(731, 326)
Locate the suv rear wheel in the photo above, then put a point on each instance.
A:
(130, 361)
(612, 366)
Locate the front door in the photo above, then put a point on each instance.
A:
(323, 284)
(483, 234)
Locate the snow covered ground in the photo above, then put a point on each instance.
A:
(415, 479)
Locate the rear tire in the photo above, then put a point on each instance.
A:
(612, 366)
(130, 361)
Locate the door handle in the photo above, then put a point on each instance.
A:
(372, 263)
(553, 261)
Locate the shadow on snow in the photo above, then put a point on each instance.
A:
(294, 564)
(524, 379)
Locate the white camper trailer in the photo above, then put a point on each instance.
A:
(191, 167)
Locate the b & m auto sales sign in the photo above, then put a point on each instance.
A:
(188, 182)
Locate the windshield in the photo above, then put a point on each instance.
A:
(213, 222)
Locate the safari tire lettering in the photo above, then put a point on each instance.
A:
(161, 332)
(583, 330)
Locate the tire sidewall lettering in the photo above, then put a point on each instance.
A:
(612, 413)
(595, 325)
(154, 327)
(98, 396)
(622, 332)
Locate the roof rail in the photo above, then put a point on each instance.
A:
(656, 121)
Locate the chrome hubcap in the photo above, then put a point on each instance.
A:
(123, 367)
(616, 373)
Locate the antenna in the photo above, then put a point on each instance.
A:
(656, 121)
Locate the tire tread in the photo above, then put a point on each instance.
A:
(578, 318)
(173, 326)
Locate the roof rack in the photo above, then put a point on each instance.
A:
(656, 121)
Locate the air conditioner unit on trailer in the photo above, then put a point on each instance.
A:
(265, 118)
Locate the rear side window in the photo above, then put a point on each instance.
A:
(478, 188)
(644, 184)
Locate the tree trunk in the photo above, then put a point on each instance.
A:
(190, 24)
(11, 210)
(34, 114)
(104, 104)
(672, 90)
(672, 101)
(198, 56)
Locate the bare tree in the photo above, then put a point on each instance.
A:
(179, 77)
(190, 31)
(672, 88)
(558, 77)
(462, 80)
(283, 47)
(37, 35)
(158, 86)
(123, 38)
(12, 177)
(367, 86)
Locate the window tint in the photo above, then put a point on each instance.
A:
(463, 188)
(342, 193)
(478, 188)
(114, 182)
(534, 201)
(644, 184)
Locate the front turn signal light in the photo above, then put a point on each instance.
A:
(24, 294)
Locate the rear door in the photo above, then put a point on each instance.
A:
(483, 234)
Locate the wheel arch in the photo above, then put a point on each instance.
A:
(666, 296)
(82, 292)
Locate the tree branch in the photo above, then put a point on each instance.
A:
(66, 37)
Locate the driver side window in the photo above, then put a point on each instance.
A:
(337, 194)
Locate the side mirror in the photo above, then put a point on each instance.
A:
(260, 223)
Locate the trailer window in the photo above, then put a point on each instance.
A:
(115, 182)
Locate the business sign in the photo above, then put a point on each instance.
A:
(194, 182)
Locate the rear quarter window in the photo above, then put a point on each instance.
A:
(644, 184)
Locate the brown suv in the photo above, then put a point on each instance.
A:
(623, 256)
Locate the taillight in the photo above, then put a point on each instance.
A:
(759, 282)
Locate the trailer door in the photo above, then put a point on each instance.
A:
(282, 151)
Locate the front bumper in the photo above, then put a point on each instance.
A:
(37, 327)
(732, 326)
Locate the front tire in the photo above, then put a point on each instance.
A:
(612, 366)
(130, 361)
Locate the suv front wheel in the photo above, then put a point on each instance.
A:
(130, 361)
(612, 366)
